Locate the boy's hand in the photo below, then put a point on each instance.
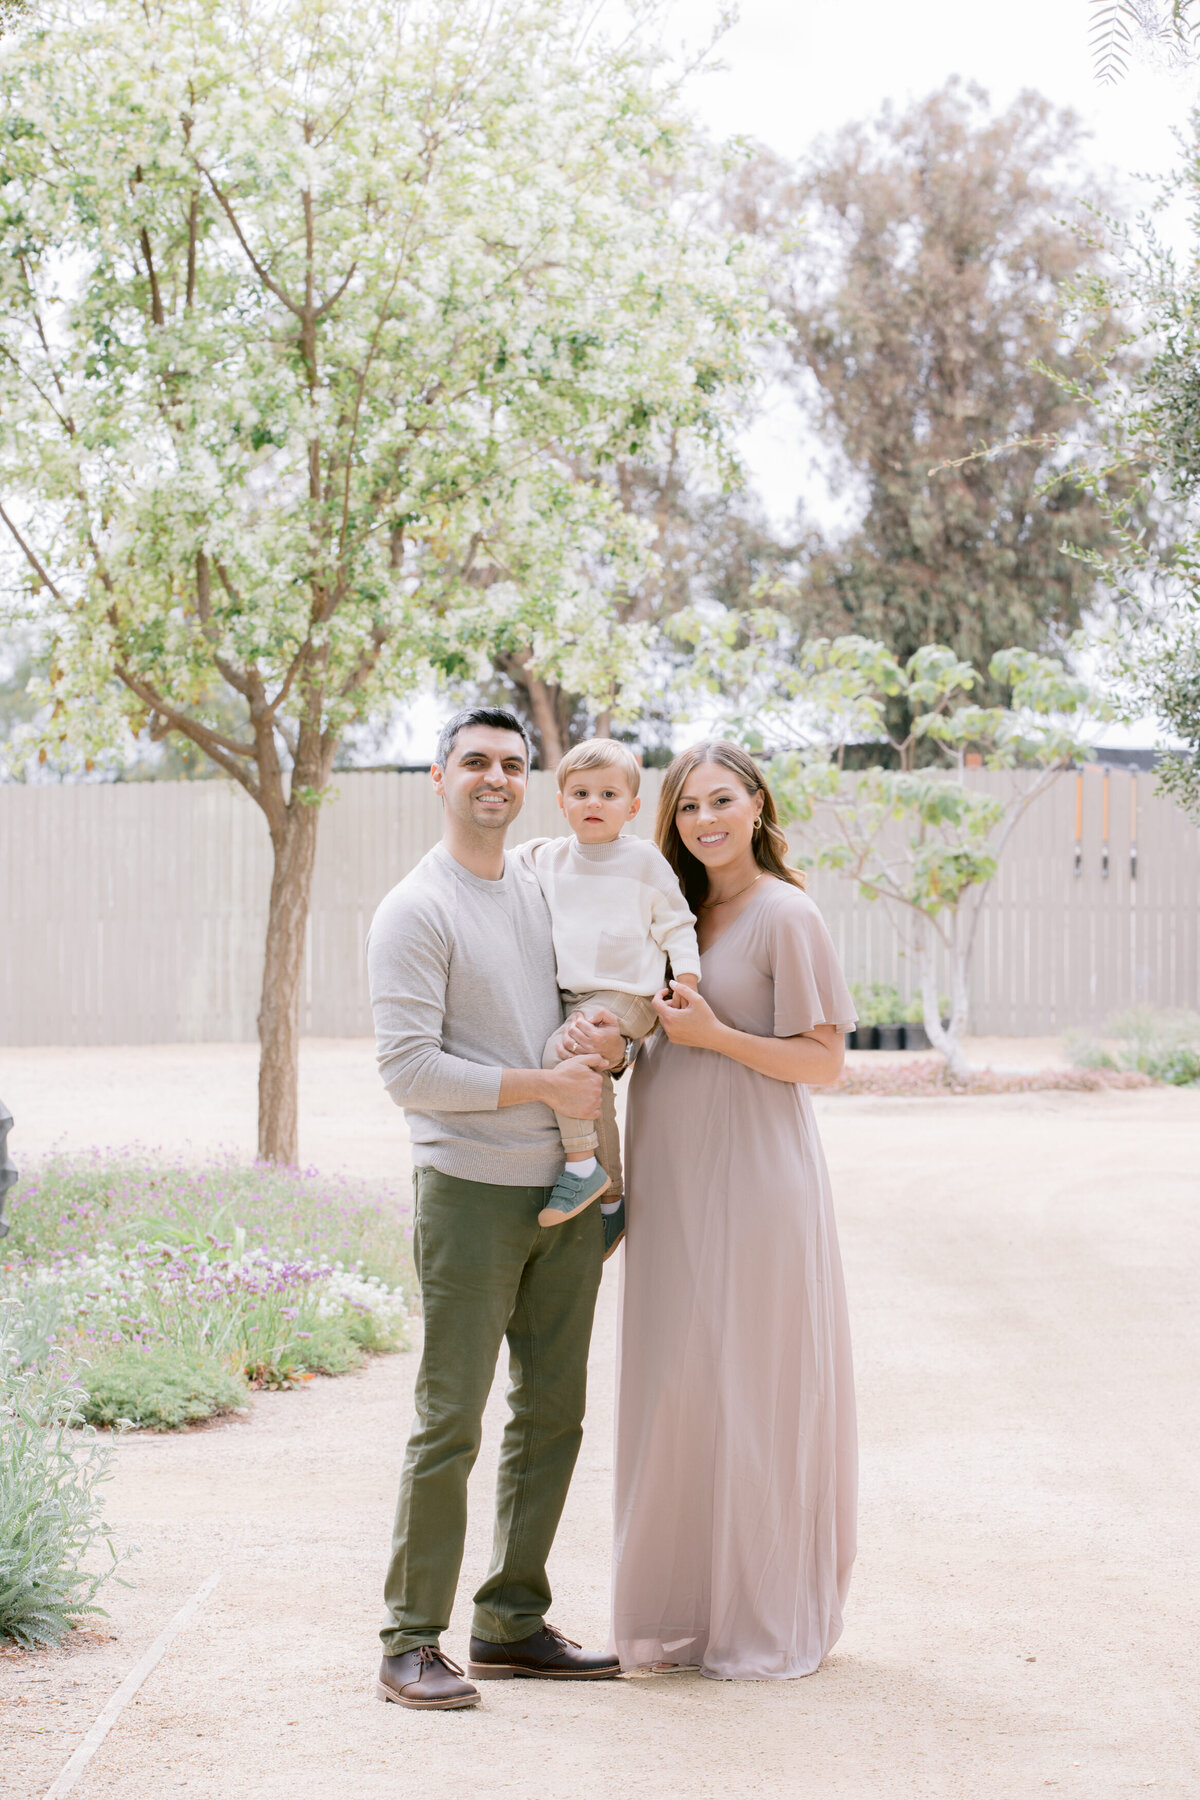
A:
(573, 1087)
(686, 1018)
(595, 1033)
(689, 981)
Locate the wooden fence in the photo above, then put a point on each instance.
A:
(135, 913)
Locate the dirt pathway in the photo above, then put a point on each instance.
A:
(1022, 1277)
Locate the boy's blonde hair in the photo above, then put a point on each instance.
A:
(601, 753)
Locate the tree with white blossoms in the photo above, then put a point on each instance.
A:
(310, 312)
(925, 841)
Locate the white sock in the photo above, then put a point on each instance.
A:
(610, 1206)
(581, 1168)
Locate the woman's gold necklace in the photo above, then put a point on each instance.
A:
(705, 904)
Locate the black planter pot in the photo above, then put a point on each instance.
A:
(852, 1042)
(916, 1038)
(889, 1037)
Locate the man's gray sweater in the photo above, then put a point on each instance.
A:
(462, 987)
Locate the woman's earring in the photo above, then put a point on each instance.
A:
(757, 825)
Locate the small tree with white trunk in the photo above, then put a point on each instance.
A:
(918, 837)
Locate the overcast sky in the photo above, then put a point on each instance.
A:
(799, 67)
(795, 69)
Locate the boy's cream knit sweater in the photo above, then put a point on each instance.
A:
(617, 914)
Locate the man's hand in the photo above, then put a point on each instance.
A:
(575, 1087)
(595, 1033)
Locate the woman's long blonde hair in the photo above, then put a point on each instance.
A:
(769, 844)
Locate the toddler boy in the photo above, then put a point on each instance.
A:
(617, 914)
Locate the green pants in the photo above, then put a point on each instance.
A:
(489, 1271)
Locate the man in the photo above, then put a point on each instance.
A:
(463, 988)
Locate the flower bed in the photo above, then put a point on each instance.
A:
(930, 1075)
(172, 1290)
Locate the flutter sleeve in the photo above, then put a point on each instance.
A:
(810, 988)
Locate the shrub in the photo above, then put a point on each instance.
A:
(50, 1473)
(209, 1278)
(1086, 1052)
(163, 1386)
(257, 1318)
(877, 1004)
(1163, 1045)
(1181, 1066)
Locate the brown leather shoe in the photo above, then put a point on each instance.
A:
(425, 1678)
(545, 1654)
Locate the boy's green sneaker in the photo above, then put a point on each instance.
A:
(571, 1193)
(614, 1227)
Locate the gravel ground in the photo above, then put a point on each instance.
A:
(1022, 1283)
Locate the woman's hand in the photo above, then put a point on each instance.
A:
(687, 1018)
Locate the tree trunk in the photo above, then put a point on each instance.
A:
(545, 719)
(945, 1039)
(295, 848)
(549, 708)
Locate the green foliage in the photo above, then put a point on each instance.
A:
(318, 320)
(877, 1003)
(18, 660)
(1164, 1045)
(51, 1469)
(925, 843)
(914, 1011)
(765, 686)
(706, 538)
(162, 1386)
(880, 1003)
(1146, 416)
(144, 1278)
(925, 303)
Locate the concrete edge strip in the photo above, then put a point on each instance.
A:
(82, 1756)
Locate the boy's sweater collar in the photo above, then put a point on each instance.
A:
(599, 852)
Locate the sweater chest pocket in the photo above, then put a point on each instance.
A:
(619, 954)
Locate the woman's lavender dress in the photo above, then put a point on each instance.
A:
(736, 1460)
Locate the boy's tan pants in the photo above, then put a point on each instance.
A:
(600, 1137)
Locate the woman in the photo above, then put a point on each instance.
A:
(736, 1446)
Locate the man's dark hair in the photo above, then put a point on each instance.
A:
(496, 718)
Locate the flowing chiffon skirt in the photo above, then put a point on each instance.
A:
(736, 1452)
